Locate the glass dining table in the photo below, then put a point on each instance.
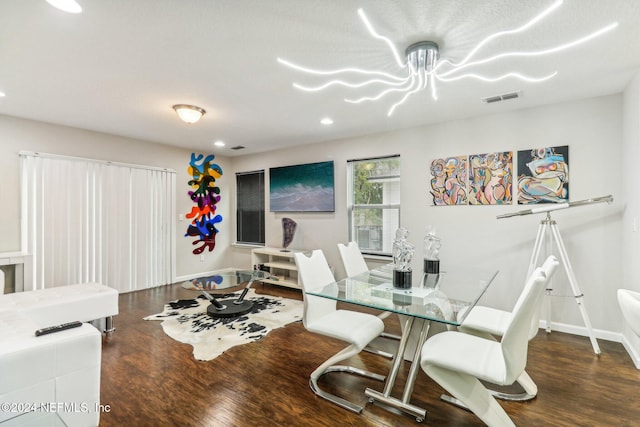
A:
(445, 297)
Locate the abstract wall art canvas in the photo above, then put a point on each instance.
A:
(491, 178)
(302, 188)
(543, 175)
(449, 181)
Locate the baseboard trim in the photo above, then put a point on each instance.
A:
(599, 334)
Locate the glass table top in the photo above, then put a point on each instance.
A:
(228, 279)
(445, 297)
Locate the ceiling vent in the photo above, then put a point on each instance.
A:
(238, 147)
(503, 97)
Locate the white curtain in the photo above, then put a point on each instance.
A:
(86, 220)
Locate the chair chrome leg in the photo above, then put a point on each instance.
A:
(313, 383)
(390, 336)
(378, 352)
(453, 401)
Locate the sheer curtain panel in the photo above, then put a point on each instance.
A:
(87, 220)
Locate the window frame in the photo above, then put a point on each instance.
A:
(262, 217)
(353, 207)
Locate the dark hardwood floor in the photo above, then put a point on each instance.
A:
(148, 379)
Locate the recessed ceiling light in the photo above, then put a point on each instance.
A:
(219, 143)
(326, 121)
(70, 6)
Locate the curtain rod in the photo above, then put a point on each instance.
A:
(83, 159)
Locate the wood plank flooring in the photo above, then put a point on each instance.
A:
(148, 379)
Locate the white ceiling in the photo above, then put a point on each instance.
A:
(119, 66)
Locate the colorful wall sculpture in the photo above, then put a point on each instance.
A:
(205, 196)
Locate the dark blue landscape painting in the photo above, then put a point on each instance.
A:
(302, 188)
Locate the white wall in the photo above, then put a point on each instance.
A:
(601, 161)
(26, 135)
(631, 237)
(471, 234)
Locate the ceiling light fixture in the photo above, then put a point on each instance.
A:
(219, 143)
(422, 66)
(327, 121)
(189, 113)
(2, 94)
(69, 6)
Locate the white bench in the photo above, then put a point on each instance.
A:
(53, 306)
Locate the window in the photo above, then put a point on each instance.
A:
(250, 207)
(373, 203)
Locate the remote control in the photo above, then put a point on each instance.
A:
(57, 328)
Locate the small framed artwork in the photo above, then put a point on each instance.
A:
(302, 188)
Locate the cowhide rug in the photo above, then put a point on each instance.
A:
(187, 321)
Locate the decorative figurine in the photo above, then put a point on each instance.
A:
(432, 246)
(403, 251)
(431, 267)
(288, 231)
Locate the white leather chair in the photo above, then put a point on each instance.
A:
(321, 316)
(629, 302)
(355, 264)
(488, 322)
(352, 259)
(458, 361)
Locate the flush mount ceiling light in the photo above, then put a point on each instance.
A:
(69, 6)
(189, 113)
(422, 67)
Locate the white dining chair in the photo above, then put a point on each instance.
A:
(459, 361)
(321, 316)
(354, 264)
(352, 259)
(491, 323)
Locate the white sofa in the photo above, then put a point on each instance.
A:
(55, 375)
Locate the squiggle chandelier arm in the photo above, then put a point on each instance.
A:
(407, 95)
(383, 93)
(373, 32)
(495, 79)
(537, 52)
(501, 33)
(347, 84)
(434, 92)
(339, 71)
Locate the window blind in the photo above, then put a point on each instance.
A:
(86, 220)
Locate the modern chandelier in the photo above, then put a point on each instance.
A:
(422, 68)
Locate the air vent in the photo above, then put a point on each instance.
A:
(238, 147)
(503, 97)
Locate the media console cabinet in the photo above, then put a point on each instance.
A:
(280, 264)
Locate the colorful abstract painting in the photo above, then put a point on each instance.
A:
(449, 181)
(543, 175)
(205, 195)
(491, 178)
(302, 188)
